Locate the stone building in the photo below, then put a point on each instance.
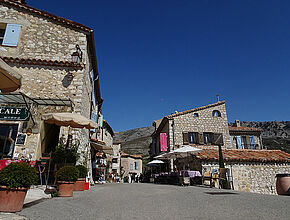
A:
(56, 60)
(116, 161)
(249, 170)
(131, 166)
(245, 137)
(203, 126)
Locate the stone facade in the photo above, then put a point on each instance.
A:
(254, 177)
(199, 120)
(130, 165)
(116, 158)
(46, 41)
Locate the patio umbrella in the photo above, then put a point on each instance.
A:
(163, 156)
(10, 79)
(182, 152)
(155, 163)
(73, 120)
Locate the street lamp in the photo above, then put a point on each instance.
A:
(77, 56)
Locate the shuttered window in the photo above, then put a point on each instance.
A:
(185, 138)
(190, 138)
(252, 142)
(207, 137)
(239, 142)
(217, 139)
(11, 34)
(200, 139)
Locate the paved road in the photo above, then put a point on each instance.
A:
(152, 201)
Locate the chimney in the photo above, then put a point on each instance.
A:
(237, 123)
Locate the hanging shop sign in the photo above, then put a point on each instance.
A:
(14, 113)
(163, 142)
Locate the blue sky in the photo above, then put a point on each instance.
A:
(160, 56)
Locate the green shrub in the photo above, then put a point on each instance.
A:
(66, 155)
(67, 173)
(18, 175)
(83, 171)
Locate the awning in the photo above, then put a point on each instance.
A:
(101, 146)
(18, 98)
(69, 119)
(10, 79)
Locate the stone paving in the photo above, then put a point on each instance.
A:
(152, 201)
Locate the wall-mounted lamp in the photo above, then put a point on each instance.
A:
(77, 56)
(28, 131)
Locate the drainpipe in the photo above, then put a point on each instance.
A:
(173, 134)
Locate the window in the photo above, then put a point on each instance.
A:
(2, 32)
(195, 115)
(216, 113)
(8, 133)
(115, 160)
(192, 139)
(9, 34)
(136, 165)
(131, 166)
(207, 138)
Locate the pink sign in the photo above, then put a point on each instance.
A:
(163, 142)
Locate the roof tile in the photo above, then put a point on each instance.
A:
(245, 155)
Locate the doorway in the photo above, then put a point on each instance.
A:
(8, 134)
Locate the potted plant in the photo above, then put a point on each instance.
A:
(66, 177)
(283, 184)
(15, 179)
(80, 183)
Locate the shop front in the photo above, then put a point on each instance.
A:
(23, 134)
(101, 160)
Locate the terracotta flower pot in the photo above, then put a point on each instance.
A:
(80, 184)
(65, 188)
(283, 184)
(12, 199)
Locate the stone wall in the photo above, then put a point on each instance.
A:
(41, 38)
(252, 176)
(205, 122)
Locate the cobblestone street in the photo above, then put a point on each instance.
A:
(152, 201)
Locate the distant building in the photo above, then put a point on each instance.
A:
(245, 137)
(131, 166)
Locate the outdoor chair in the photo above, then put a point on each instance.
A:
(43, 168)
(211, 176)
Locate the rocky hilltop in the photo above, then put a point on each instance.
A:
(276, 135)
(135, 141)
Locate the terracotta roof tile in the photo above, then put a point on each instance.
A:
(136, 156)
(231, 128)
(41, 13)
(29, 61)
(196, 109)
(245, 155)
(98, 141)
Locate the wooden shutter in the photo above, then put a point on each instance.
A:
(218, 139)
(239, 142)
(200, 138)
(252, 142)
(11, 35)
(185, 138)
